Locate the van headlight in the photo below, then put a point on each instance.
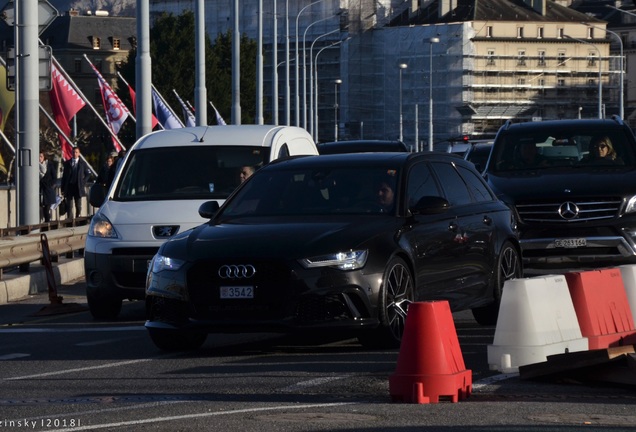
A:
(101, 227)
(350, 260)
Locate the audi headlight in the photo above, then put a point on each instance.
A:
(101, 227)
(161, 263)
(350, 260)
(631, 205)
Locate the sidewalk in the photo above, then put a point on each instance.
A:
(15, 285)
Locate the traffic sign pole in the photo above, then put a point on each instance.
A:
(29, 18)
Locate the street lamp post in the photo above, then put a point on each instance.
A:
(621, 106)
(431, 41)
(600, 75)
(335, 109)
(297, 113)
(401, 66)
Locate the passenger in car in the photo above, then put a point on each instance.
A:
(602, 150)
(386, 194)
(246, 172)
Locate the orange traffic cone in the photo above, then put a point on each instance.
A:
(430, 364)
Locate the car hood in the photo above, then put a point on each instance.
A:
(278, 237)
(545, 184)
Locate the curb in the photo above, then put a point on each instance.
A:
(15, 286)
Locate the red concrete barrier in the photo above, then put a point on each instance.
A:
(602, 308)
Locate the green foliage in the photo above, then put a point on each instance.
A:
(172, 50)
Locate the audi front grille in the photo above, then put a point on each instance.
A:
(272, 284)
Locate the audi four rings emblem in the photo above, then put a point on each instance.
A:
(568, 210)
(241, 271)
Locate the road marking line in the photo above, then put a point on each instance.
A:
(104, 366)
(310, 383)
(201, 415)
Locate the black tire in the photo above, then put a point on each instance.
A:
(103, 307)
(177, 340)
(508, 267)
(396, 294)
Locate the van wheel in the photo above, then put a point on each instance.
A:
(509, 267)
(177, 340)
(104, 308)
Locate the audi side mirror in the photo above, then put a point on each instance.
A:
(208, 209)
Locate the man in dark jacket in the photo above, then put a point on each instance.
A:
(47, 186)
(76, 174)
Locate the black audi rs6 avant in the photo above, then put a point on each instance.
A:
(336, 243)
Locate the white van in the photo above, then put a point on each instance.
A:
(156, 194)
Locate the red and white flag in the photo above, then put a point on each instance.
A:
(65, 103)
(116, 111)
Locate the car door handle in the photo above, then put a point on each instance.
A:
(487, 220)
(452, 227)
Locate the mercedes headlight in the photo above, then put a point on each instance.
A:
(631, 205)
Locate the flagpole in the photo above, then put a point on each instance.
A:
(79, 92)
(166, 104)
(190, 117)
(218, 115)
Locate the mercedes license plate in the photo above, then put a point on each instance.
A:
(237, 292)
(570, 243)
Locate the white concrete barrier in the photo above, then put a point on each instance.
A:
(628, 273)
(536, 319)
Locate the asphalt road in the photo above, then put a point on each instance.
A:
(62, 371)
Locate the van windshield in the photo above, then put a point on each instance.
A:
(188, 172)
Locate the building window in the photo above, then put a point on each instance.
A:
(591, 59)
(541, 82)
(488, 31)
(560, 32)
(521, 81)
(96, 43)
(490, 58)
(591, 83)
(560, 86)
(541, 61)
(77, 65)
(116, 43)
(540, 32)
(519, 32)
(590, 32)
(521, 58)
(561, 58)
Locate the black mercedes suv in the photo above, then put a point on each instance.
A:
(572, 186)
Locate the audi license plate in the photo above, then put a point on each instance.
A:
(237, 292)
(570, 243)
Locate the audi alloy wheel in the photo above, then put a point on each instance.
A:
(396, 294)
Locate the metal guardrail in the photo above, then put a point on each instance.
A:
(25, 246)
